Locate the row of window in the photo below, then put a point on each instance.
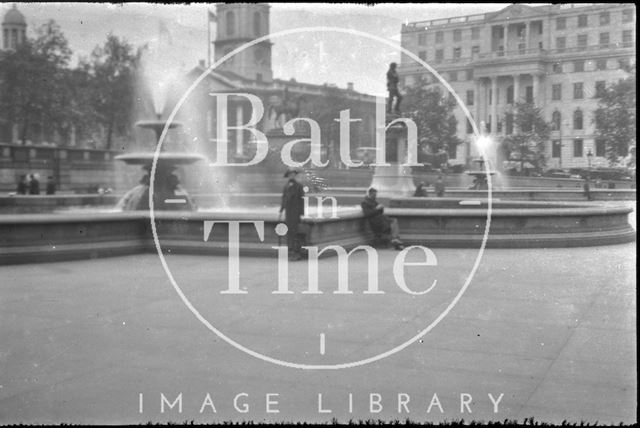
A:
(582, 40)
(578, 148)
(582, 43)
(604, 18)
(578, 120)
(599, 64)
(578, 90)
(457, 36)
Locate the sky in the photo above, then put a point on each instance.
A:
(318, 58)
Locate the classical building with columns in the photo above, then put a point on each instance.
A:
(560, 57)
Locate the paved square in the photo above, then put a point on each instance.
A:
(551, 329)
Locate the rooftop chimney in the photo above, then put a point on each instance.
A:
(350, 86)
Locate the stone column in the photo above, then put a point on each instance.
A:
(239, 134)
(476, 101)
(536, 89)
(504, 39)
(516, 88)
(494, 104)
(527, 36)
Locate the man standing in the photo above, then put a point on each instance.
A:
(382, 226)
(439, 187)
(34, 185)
(293, 206)
(51, 186)
(392, 87)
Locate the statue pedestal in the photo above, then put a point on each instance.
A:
(394, 180)
(277, 139)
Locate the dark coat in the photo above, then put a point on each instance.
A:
(34, 187)
(377, 220)
(293, 202)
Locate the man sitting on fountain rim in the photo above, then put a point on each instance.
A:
(383, 227)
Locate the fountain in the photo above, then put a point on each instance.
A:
(168, 194)
(480, 175)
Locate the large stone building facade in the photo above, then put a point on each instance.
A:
(560, 57)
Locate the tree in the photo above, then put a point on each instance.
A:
(113, 68)
(33, 74)
(615, 118)
(433, 114)
(527, 143)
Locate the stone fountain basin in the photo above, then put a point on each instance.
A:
(164, 158)
(47, 237)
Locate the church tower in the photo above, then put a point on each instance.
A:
(14, 29)
(239, 23)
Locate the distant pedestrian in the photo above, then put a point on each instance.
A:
(293, 207)
(51, 186)
(587, 188)
(23, 185)
(421, 190)
(439, 187)
(34, 185)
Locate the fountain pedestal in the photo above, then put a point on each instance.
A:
(394, 180)
(168, 194)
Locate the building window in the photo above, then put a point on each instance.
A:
(557, 67)
(470, 74)
(578, 66)
(604, 40)
(583, 21)
(439, 37)
(556, 120)
(601, 64)
(627, 38)
(604, 18)
(556, 92)
(509, 94)
(561, 23)
(508, 121)
(601, 148)
(577, 119)
(422, 39)
(561, 43)
(627, 15)
(601, 88)
(578, 92)
(231, 23)
(469, 127)
(475, 50)
(583, 39)
(457, 53)
(422, 55)
(470, 97)
(556, 148)
(257, 28)
(453, 76)
(577, 148)
(457, 35)
(259, 77)
(529, 94)
(439, 55)
(475, 33)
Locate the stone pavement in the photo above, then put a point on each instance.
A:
(553, 330)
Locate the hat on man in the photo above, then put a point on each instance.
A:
(291, 171)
